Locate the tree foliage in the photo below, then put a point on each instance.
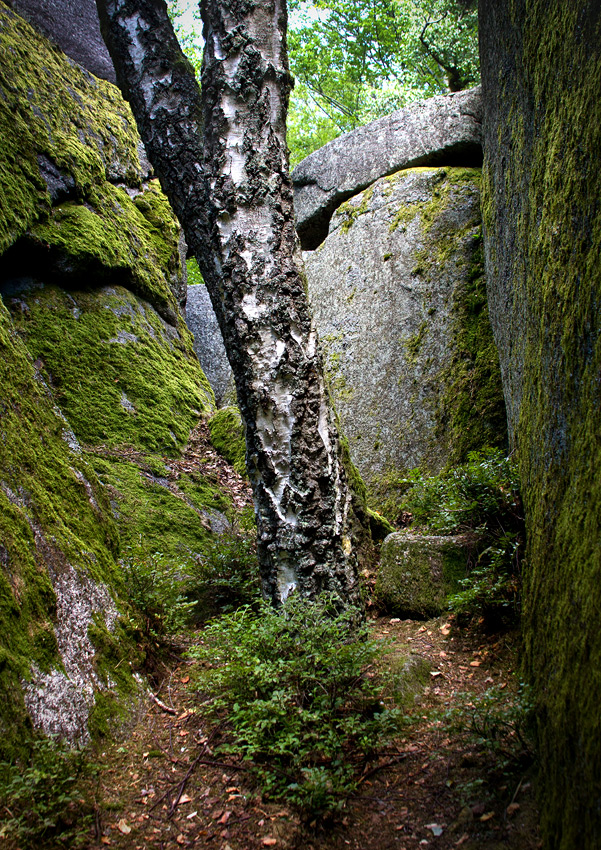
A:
(355, 60)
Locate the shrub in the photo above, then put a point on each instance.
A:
(299, 697)
(481, 495)
(225, 576)
(41, 800)
(156, 591)
(499, 723)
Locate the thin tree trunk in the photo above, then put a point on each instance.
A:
(230, 188)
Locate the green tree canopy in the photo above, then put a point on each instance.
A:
(355, 60)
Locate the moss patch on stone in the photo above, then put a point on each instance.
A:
(470, 408)
(227, 435)
(154, 517)
(119, 373)
(59, 121)
(418, 572)
(543, 228)
(53, 511)
(351, 210)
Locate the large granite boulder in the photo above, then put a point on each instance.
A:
(398, 295)
(418, 572)
(541, 77)
(443, 130)
(208, 343)
(73, 25)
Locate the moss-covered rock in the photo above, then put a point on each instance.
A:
(227, 435)
(100, 390)
(117, 370)
(419, 571)
(399, 299)
(57, 556)
(541, 77)
(75, 200)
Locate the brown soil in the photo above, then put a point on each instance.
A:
(164, 788)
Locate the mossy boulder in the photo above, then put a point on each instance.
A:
(399, 299)
(103, 401)
(77, 198)
(541, 77)
(419, 571)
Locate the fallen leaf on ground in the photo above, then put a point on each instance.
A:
(180, 838)
(191, 815)
(445, 629)
(512, 808)
(435, 673)
(185, 679)
(487, 816)
(475, 663)
(435, 828)
(123, 827)
(185, 798)
(269, 842)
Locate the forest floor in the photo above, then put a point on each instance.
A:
(443, 785)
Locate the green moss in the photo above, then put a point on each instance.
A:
(154, 516)
(413, 343)
(418, 573)
(52, 512)
(55, 112)
(117, 371)
(227, 435)
(469, 407)
(40, 88)
(544, 221)
(350, 211)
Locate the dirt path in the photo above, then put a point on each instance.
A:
(163, 788)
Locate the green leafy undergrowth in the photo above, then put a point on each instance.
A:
(297, 694)
(498, 723)
(156, 591)
(225, 576)
(479, 496)
(168, 595)
(42, 801)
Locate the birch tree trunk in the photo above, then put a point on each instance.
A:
(223, 163)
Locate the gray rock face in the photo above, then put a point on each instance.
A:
(444, 130)
(543, 260)
(392, 289)
(73, 25)
(418, 572)
(208, 342)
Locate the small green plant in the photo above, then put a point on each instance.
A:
(493, 585)
(156, 591)
(482, 493)
(41, 803)
(299, 696)
(481, 496)
(498, 722)
(226, 575)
